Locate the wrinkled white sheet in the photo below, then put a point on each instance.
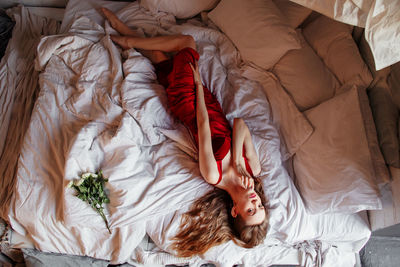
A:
(97, 109)
(380, 18)
(18, 91)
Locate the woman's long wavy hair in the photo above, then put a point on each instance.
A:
(209, 223)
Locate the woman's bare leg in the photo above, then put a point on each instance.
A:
(117, 24)
(155, 56)
(168, 43)
(157, 45)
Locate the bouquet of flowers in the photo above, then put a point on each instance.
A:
(90, 188)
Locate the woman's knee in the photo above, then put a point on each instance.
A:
(187, 41)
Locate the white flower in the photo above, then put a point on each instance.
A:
(86, 175)
(80, 181)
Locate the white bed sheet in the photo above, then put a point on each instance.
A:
(98, 110)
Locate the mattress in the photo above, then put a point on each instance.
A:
(111, 114)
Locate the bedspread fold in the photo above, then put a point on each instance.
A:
(19, 89)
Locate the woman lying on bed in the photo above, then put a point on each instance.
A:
(237, 212)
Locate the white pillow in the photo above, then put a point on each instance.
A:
(257, 29)
(333, 42)
(334, 169)
(294, 13)
(291, 123)
(181, 9)
(306, 78)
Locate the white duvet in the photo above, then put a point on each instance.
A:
(100, 110)
(380, 18)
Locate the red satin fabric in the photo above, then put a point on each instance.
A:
(176, 76)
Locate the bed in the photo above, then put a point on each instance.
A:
(84, 105)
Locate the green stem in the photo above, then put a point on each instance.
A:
(104, 218)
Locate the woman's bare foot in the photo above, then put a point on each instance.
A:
(112, 18)
(117, 24)
(122, 41)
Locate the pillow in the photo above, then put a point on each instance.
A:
(394, 83)
(291, 123)
(257, 29)
(386, 116)
(382, 100)
(181, 9)
(333, 168)
(294, 13)
(333, 42)
(378, 163)
(306, 78)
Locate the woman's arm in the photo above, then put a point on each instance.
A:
(207, 162)
(241, 136)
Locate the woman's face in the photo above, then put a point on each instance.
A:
(249, 206)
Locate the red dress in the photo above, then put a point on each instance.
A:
(176, 76)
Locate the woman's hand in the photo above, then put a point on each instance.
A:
(196, 73)
(240, 167)
(247, 182)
